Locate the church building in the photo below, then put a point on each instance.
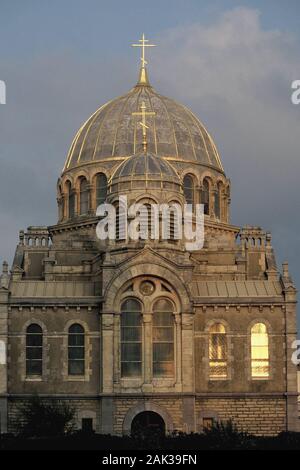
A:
(146, 332)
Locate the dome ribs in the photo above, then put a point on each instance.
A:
(121, 114)
(112, 132)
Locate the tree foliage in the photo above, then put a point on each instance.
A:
(39, 418)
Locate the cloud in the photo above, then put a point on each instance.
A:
(48, 98)
(236, 76)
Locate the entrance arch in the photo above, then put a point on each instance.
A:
(144, 407)
(148, 422)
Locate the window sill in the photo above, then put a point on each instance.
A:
(133, 382)
(218, 379)
(34, 378)
(259, 379)
(77, 378)
(164, 382)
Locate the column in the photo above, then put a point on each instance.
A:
(187, 352)
(107, 352)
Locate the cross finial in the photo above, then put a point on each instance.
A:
(143, 113)
(143, 43)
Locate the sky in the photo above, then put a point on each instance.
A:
(231, 62)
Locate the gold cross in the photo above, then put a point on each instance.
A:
(143, 44)
(143, 113)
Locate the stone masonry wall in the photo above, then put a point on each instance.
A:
(259, 416)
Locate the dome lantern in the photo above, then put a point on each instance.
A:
(144, 171)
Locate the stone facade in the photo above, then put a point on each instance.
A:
(64, 275)
(260, 415)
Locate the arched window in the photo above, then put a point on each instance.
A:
(175, 221)
(76, 350)
(34, 350)
(117, 208)
(188, 187)
(217, 351)
(71, 201)
(131, 339)
(172, 226)
(101, 189)
(259, 351)
(163, 339)
(205, 196)
(218, 195)
(145, 226)
(60, 201)
(121, 221)
(84, 196)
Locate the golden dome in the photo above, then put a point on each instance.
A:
(113, 131)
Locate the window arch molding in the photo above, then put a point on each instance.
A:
(271, 351)
(135, 297)
(79, 176)
(168, 298)
(175, 200)
(146, 199)
(147, 302)
(36, 321)
(77, 179)
(163, 290)
(68, 182)
(260, 320)
(191, 171)
(115, 287)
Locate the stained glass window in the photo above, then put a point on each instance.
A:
(217, 351)
(131, 339)
(163, 339)
(259, 351)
